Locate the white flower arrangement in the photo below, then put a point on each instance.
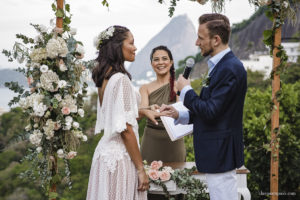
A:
(55, 100)
(104, 35)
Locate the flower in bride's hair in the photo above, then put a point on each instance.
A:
(104, 35)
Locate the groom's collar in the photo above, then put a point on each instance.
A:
(213, 61)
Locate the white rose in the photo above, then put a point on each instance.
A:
(62, 83)
(60, 153)
(81, 112)
(39, 149)
(69, 119)
(44, 68)
(73, 31)
(285, 4)
(84, 138)
(35, 126)
(75, 124)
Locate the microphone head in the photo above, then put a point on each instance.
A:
(190, 62)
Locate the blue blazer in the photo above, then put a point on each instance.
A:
(217, 115)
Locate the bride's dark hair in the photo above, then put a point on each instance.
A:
(110, 56)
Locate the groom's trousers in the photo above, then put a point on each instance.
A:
(222, 186)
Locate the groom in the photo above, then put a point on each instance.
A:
(218, 112)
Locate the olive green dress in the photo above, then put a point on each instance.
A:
(156, 143)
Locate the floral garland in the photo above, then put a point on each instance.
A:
(104, 35)
(57, 78)
(159, 175)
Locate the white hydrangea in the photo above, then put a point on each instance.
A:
(30, 100)
(36, 137)
(37, 55)
(47, 79)
(56, 47)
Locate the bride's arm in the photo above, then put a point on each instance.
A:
(131, 145)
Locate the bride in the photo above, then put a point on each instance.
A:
(117, 171)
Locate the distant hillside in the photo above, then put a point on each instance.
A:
(247, 36)
(8, 75)
(179, 36)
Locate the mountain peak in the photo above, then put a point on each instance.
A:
(178, 35)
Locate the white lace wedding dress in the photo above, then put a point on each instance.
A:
(113, 175)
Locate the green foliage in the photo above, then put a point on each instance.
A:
(257, 140)
(256, 79)
(292, 73)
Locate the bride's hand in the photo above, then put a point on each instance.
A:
(143, 180)
(150, 114)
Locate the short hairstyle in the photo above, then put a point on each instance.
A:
(217, 24)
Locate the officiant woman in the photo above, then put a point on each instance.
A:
(156, 144)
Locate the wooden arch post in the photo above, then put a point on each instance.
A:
(59, 24)
(275, 120)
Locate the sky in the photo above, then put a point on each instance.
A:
(145, 18)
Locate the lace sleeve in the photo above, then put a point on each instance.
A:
(119, 106)
(125, 106)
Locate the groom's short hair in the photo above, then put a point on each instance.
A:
(217, 24)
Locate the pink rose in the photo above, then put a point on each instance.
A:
(156, 165)
(164, 175)
(71, 154)
(65, 110)
(153, 174)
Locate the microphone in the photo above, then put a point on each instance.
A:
(189, 63)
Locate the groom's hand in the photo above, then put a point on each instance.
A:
(182, 82)
(169, 111)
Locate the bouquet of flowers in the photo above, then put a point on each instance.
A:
(157, 172)
(161, 175)
(57, 78)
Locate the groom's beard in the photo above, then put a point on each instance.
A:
(207, 53)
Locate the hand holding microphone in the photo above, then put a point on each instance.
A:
(182, 80)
